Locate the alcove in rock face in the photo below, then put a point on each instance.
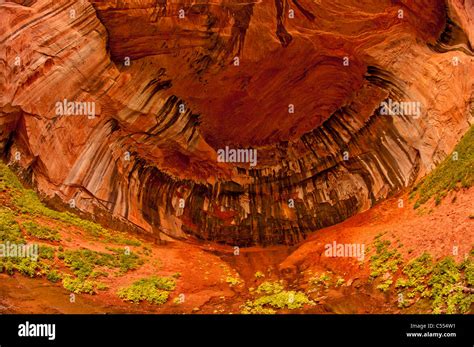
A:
(299, 83)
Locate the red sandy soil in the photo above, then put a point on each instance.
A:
(430, 228)
(204, 268)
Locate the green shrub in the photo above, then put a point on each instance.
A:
(27, 266)
(443, 283)
(101, 286)
(233, 281)
(274, 296)
(468, 267)
(41, 232)
(447, 288)
(10, 233)
(290, 299)
(449, 174)
(340, 281)
(53, 276)
(9, 228)
(8, 180)
(46, 252)
(270, 287)
(83, 262)
(7, 266)
(28, 203)
(322, 280)
(385, 260)
(416, 271)
(385, 285)
(78, 286)
(155, 290)
(97, 274)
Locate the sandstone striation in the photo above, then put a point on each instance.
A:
(302, 82)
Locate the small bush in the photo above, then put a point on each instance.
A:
(275, 297)
(46, 252)
(449, 174)
(443, 283)
(83, 262)
(385, 285)
(27, 266)
(78, 286)
(385, 260)
(155, 290)
(53, 276)
(270, 288)
(41, 232)
(233, 281)
(340, 281)
(323, 280)
(9, 228)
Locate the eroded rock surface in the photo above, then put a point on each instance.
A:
(302, 82)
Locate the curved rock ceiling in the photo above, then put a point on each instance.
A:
(303, 83)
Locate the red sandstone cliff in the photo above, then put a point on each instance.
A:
(161, 119)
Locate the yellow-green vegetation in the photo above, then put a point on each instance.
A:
(416, 272)
(272, 296)
(79, 286)
(155, 290)
(324, 280)
(27, 203)
(456, 170)
(384, 263)
(41, 232)
(23, 205)
(233, 281)
(25, 266)
(84, 262)
(10, 233)
(8, 180)
(321, 280)
(232, 277)
(259, 274)
(54, 276)
(177, 301)
(446, 284)
(46, 252)
(9, 228)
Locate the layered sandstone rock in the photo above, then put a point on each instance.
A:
(301, 82)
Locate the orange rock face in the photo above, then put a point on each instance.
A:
(123, 108)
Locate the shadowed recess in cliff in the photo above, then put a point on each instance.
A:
(453, 38)
(307, 94)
